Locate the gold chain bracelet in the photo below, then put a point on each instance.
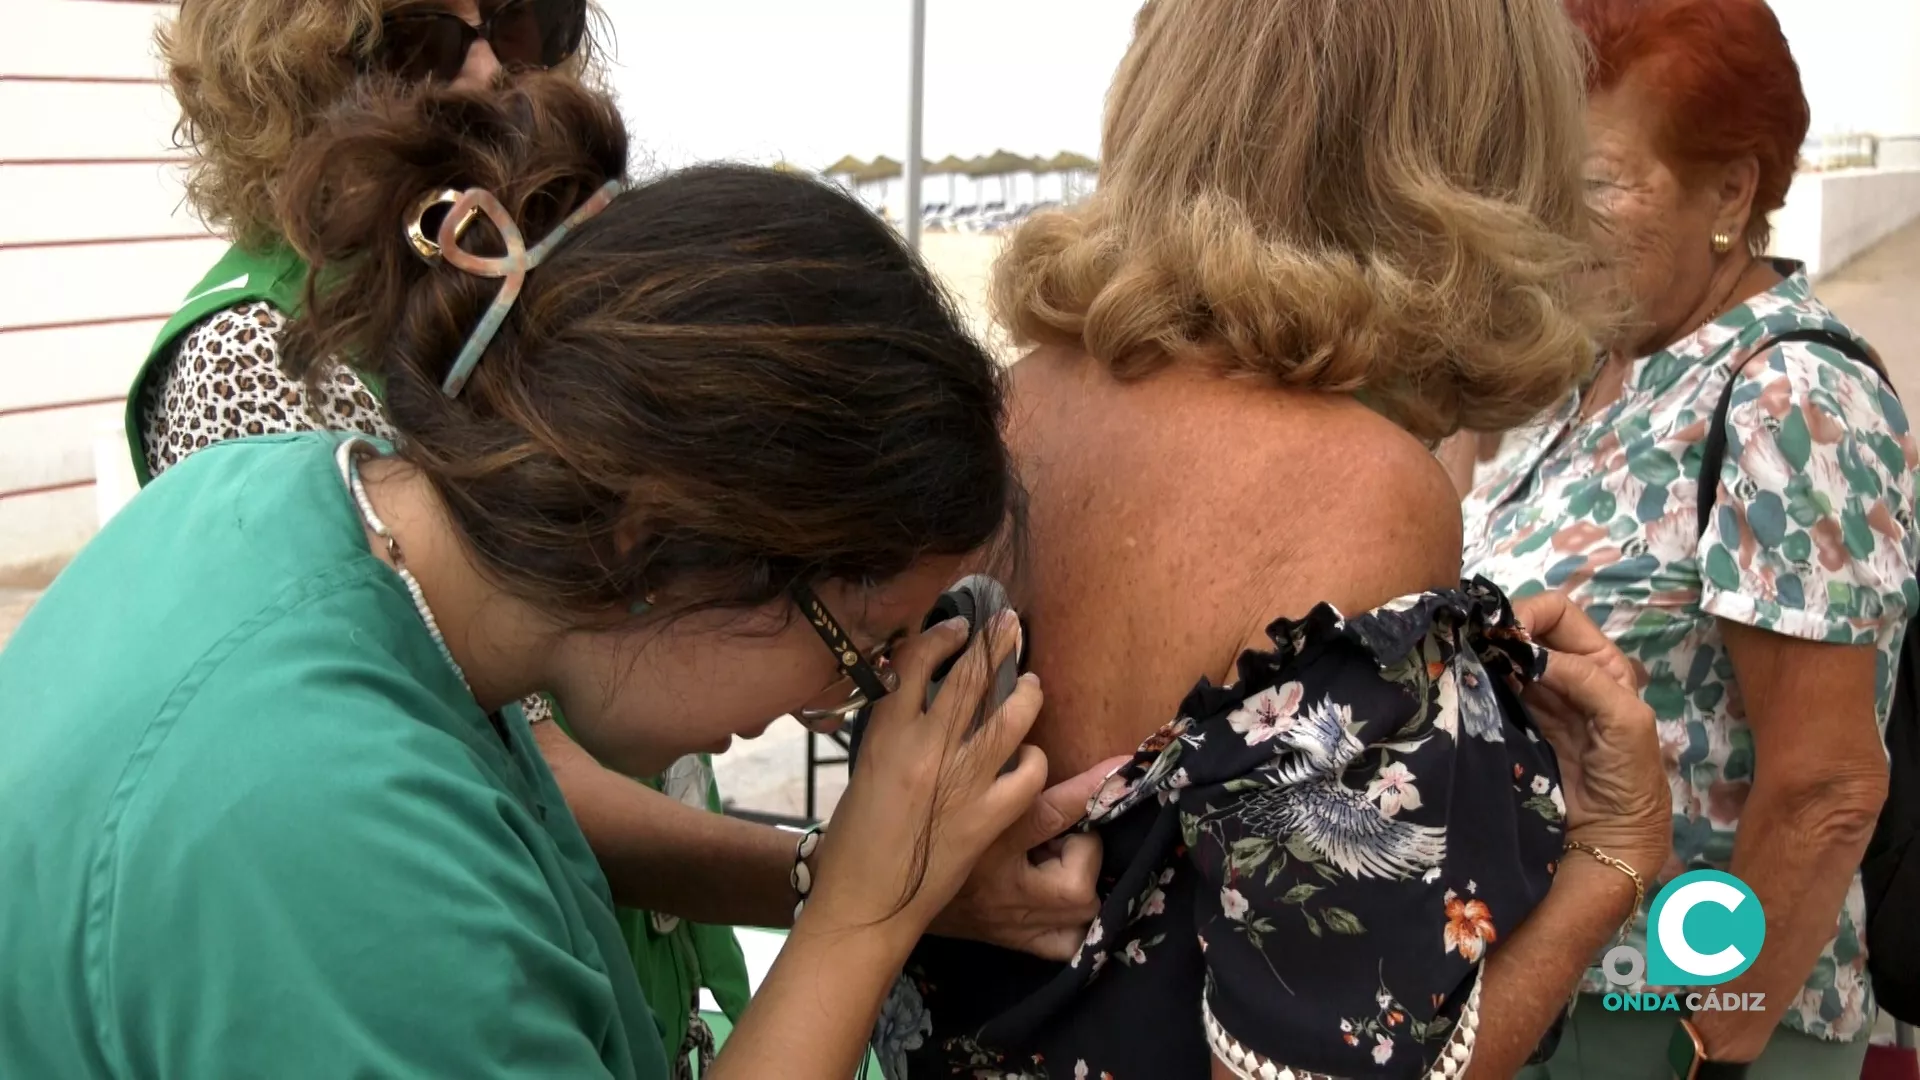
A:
(1639, 883)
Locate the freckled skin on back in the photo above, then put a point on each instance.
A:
(1173, 518)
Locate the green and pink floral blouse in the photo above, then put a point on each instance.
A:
(1812, 536)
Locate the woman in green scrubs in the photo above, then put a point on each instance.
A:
(702, 456)
(248, 90)
(252, 78)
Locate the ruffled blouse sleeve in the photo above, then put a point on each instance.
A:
(1366, 813)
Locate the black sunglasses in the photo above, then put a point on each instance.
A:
(423, 43)
(871, 679)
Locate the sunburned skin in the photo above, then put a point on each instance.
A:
(1173, 518)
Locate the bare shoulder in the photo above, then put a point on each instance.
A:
(1313, 485)
(1174, 517)
(1383, 510)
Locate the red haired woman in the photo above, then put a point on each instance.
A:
(1768, 628)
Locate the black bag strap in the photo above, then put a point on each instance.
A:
(1713, 451)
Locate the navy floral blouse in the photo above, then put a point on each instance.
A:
(1304, 871)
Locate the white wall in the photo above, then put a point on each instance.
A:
(1831, 217)
(95, 251)
(1860, 207)
(1901, 151)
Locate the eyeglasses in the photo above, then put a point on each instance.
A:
(424, 43)
(866, 678)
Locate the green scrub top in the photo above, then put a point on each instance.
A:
(253, 824)
(674, 958)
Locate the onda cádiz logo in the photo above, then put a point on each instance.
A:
(1704, 928)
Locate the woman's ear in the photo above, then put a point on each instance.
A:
(1734, 185)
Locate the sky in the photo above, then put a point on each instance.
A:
(810, 80)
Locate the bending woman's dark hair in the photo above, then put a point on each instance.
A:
(730, 380)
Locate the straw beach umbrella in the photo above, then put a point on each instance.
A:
(843, 171)
(952, 167)
(875, 184)
(1076, 172)
(1001, 165)
(881, 168)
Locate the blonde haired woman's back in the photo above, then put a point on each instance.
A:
(1302, 206)
(1328, 233)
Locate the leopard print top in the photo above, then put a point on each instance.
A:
(224, 381)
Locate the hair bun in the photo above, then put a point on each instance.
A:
(542, 146)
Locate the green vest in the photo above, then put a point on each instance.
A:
(276, 276)
(673, 958)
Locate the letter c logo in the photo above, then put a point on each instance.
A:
(1673, 933)
(1707, 928)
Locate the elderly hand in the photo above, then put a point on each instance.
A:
(1611, 773)
(1028, 893)
(1557, 624)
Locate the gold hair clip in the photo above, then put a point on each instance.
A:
(423, 245)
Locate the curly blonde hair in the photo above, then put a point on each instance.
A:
(1353, 196)
(254, 77)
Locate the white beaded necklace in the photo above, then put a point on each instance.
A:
(348, 458)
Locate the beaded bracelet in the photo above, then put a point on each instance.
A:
(802, 876)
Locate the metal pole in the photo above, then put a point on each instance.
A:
(916, 90)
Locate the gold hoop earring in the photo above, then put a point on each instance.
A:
(1722, 243)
